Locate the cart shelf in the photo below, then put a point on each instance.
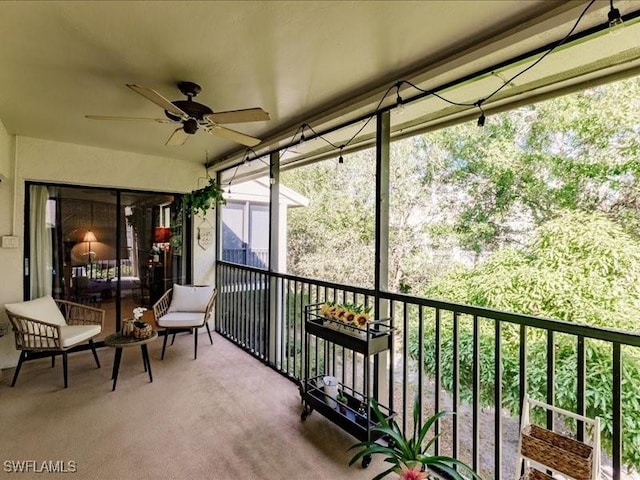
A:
(352, 417)
(374, 339)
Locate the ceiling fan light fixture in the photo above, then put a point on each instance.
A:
(190, 126)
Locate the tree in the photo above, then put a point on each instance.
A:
(333, 238)
(580, 151)
(582, 268)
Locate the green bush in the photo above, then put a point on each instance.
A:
(581, 268)
(598, 359)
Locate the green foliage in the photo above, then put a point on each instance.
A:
(405, 449)
(201, 200)
(577, 152)
(581, 268)
(333, 238)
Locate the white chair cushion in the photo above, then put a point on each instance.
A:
(188, 298)
(181, 319)
(43, 309)
(74, 334)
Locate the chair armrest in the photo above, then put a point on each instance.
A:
(161, 307)
(78, 314)
(34, 334)
(210, 305)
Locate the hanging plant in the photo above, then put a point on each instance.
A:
(201, 200)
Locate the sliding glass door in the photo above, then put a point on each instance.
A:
(111, 249)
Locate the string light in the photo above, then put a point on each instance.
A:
(615, 23)
(615, 20)
(399, 101)
(303, 140)
(482, 118)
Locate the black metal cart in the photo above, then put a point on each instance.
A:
(355, 415)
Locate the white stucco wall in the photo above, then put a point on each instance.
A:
(10, 259)
(6, 152)
(56, 162)
(204, 267)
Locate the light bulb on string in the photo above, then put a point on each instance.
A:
(482, 118)
(615, 20)
(303, 140)
(399, 102)
(340, 157)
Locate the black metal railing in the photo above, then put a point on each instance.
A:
(476, 362)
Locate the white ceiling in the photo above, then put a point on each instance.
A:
(298, 60)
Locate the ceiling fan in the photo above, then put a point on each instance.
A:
(194, 116)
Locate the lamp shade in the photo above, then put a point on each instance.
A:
(161, 234)
(89, 237)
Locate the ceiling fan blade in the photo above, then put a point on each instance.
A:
(237, 137)
(130, 119)
(158, 99)
(177, 138)
(239, 116)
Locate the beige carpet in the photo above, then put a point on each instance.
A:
(222, 416)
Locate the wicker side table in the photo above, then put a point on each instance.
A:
(119, 341)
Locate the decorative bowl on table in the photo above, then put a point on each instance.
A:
(127, 327)
(142, 330)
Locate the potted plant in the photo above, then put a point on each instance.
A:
(201, 200)
(342, 401)
(409, 453)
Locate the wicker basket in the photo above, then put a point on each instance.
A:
(559, 453)
(533, 474)
(142, 330)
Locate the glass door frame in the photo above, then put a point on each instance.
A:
(120, 218)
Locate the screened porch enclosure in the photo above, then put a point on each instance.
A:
(477, 362)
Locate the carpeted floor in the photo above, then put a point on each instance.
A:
(222, 416)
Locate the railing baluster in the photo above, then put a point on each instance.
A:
(616, 442)
(405, 370)
(391, 359)
(497, 398)
(245, 280)
(436, 404)
(283, 329)
(476, 394)
(522, 367)
(551, 362)
(420, 361)
(456, 384)
(581, 367)
(236, 286)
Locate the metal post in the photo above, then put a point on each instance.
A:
(381, 362)
(274, 307)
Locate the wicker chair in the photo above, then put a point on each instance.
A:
(53, 327)
(189, 312)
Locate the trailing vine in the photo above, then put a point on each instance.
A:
(201, 200)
